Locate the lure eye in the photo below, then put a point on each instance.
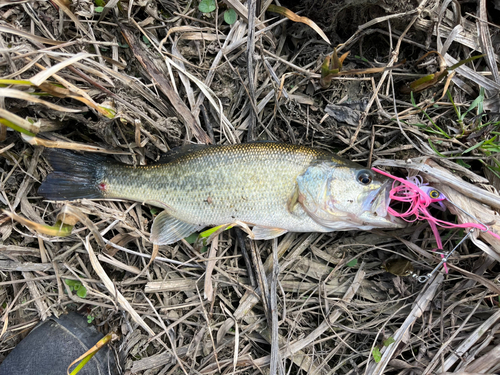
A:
(434, 194)
(364, 177)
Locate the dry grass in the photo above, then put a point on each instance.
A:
(141, 78)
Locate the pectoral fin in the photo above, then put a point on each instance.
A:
(294, 199)
(267, 233)
(167, 229)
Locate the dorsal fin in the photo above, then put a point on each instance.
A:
(180, 151)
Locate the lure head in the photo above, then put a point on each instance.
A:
(346, 196)
(435, 196)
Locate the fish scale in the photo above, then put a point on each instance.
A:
(252, 183)
(274, 187)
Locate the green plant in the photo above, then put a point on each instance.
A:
(146, 40)
(434, 129)
(477, 103)
(469, 121)
(90, 319)
(431, 80)
(389, 341)
(230, 16)
(208, 6)
(77, 286)
(377, 355)
(352, 263)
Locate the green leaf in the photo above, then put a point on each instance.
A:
(90, 319)
(81, 292)
(18, 128)
(73, 284)
(463, 163)
(377, 356)
(352, 263)
(412, 99)
(208, 232)
(473, 147)
(192, 238)
(389, 341)
(475, 103)
(435, 149)
(206, 6)
(230, 16)
(76, 285)
(480, 107)
(99, 3)
(493, 170)
(362, 59)
(462, 62)
(146, 40)
(111, 114)
(491, 148)
(98, 9)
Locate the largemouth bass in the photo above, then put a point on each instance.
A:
(274, 187)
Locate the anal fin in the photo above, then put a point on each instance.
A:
(167, 229)
(267, 233)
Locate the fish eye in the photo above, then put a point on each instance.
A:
(364, 177)
(434, 194)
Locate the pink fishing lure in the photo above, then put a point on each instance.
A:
(420, 196)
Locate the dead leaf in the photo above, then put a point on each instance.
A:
(60, 229)
(296, 18)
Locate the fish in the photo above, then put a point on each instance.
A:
(272, 187)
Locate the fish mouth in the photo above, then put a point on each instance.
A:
(377, 203)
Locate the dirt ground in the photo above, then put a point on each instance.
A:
(136, 79)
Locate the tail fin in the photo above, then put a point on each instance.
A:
(75, 176)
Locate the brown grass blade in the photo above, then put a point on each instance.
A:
(296, 18)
